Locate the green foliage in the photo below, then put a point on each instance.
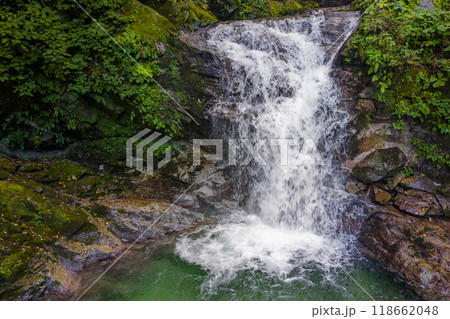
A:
(53, 56)
(432, 152)
(407, 51)
(442, 4)
(407, 172)
(187, 14)
(248, 9)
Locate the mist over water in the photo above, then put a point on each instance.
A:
(280, 88)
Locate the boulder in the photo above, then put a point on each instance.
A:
(445, 203)
(420, 182)
(379, 165)
(186, 201)
(394, 181)
(132, 219)
(380, 196)
(414, 248)
(365, 105)
(427, 4)
(418, 203)
(352, 188)
(369, 137)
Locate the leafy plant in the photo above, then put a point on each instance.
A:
(407, 172)
(432, 152)
(407, 52)
(55, 60)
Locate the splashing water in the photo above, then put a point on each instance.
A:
(280, 88)
(291, 241)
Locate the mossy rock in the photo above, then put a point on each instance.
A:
(186, 14)
(108, 121)
(149, 23)
(29, 222)
(251, 9)
(379, 165)
(4, 175)
(52, 215)
(31, 167)
(108, 151)
(8, 165)
(14, 264)
(286, 7)
(60, 171)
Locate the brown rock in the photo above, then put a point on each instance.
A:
(379, 165)
(365, 105)
(445, 203)
(380, 196)
(364, 94)
(416, 249)
(420, 182)
(394, 181)
(352, 188)
(418, 203)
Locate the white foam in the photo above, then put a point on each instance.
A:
(267, 59)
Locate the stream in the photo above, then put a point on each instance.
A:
(295, 238)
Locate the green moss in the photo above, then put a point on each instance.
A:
(64, 170)
(149, 23)
(108, 151)
(442, 4)
(250, 9)
(289, 7)
(187, 14)
(30, 221)
(98, 210)
(49, 216)
(4, 174)
(96, 123)
(32, 167)
(14, 264)
(8, 165)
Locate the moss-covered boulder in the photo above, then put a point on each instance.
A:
(149, 23)
(251, 9)
(380, 165)
(184, 13)
(29, 222)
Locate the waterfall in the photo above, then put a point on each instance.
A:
(279, 87)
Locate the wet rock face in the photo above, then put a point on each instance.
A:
(406, 229)
(379, 165)
(140, 219)
(415, 248)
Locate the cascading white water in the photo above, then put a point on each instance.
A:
(280, 88)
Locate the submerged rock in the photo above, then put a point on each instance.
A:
(379, 165)
(415, 248)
